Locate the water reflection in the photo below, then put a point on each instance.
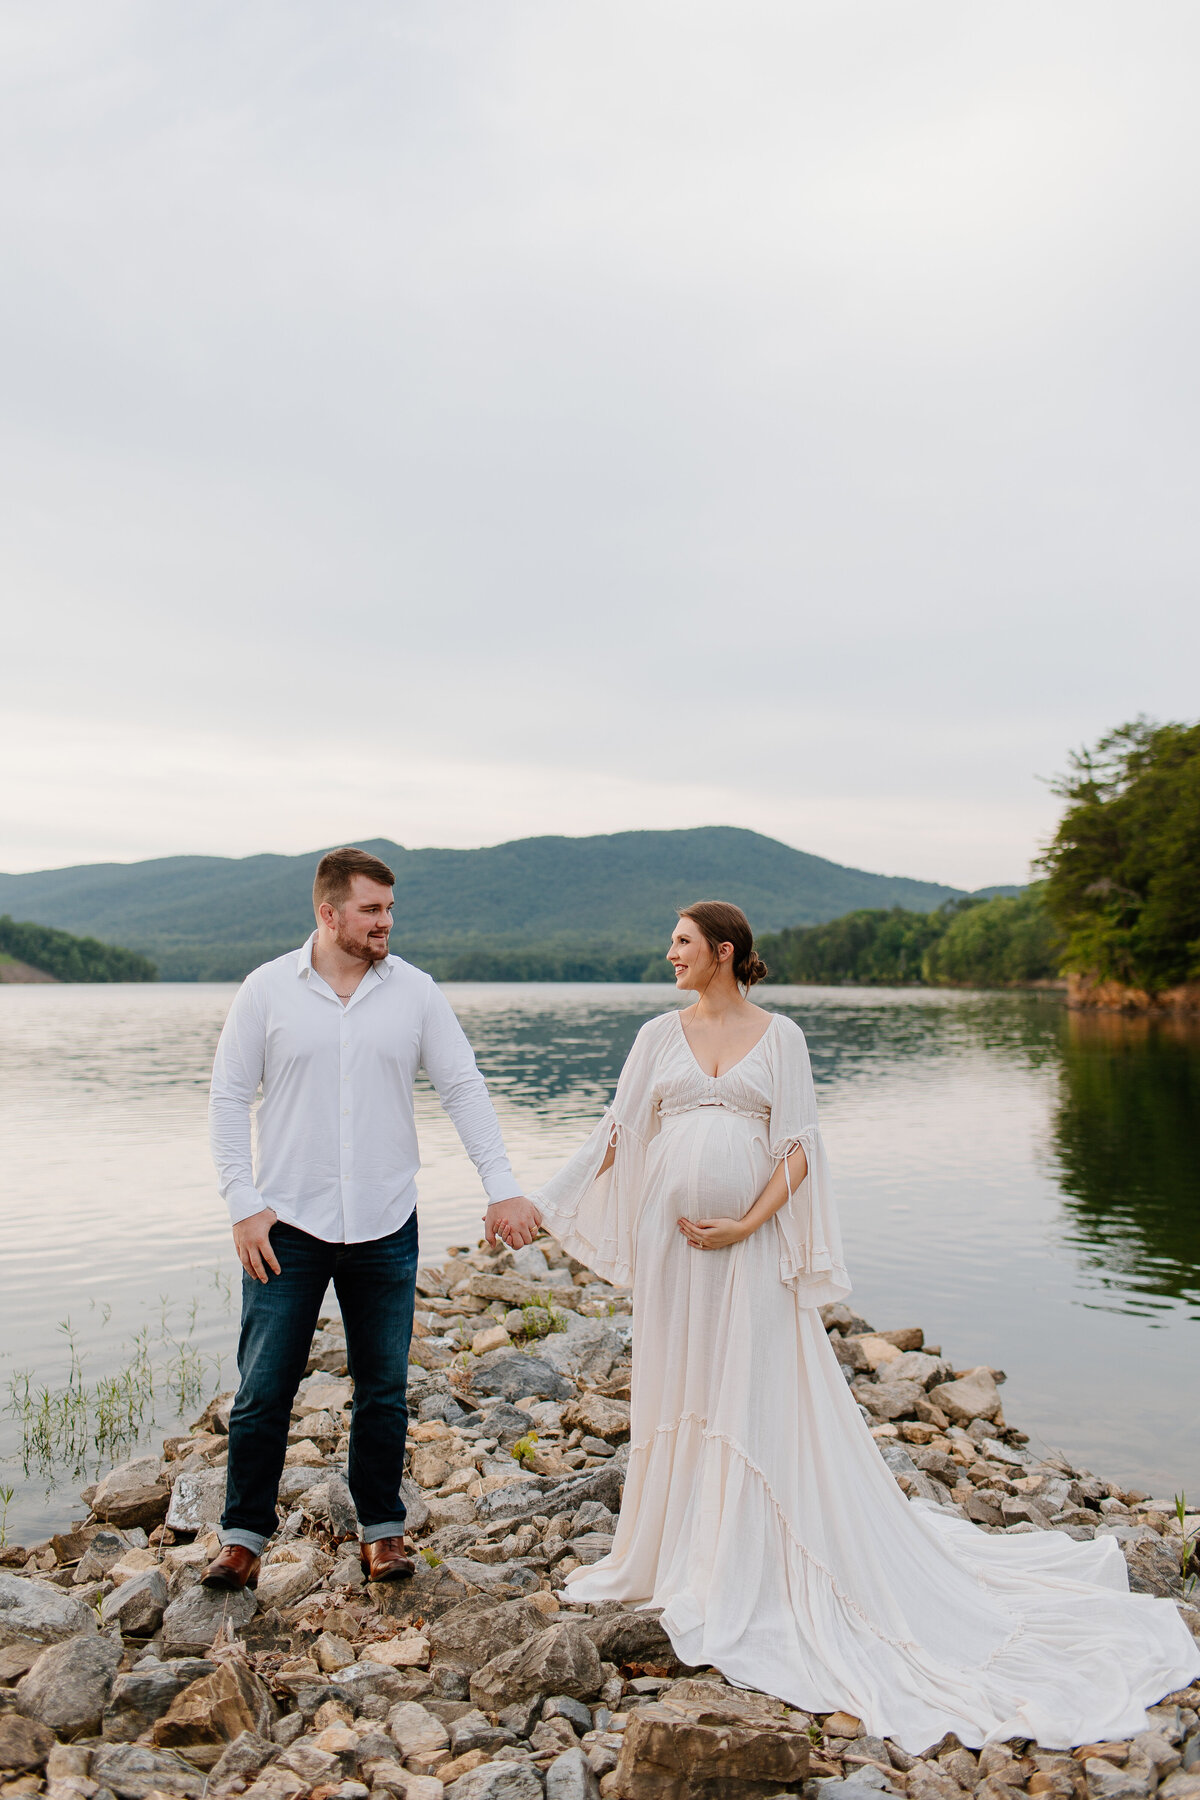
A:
(1020, 1181)
(1125, 1144)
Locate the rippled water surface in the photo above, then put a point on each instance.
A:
(1022, 1182)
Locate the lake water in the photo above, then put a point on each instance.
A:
(1020, 1181)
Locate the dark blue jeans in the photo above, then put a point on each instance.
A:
(375, 1286)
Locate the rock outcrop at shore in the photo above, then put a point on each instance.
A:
(122, 1678)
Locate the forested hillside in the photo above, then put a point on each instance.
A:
(70, 958)
(546, 908)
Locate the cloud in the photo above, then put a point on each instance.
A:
(517, 418)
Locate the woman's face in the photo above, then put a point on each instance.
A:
(690, 956)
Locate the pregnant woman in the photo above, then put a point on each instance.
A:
(757, 1512)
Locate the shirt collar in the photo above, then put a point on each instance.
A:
(304, 962)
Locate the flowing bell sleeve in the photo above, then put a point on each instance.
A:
(595, 1216)
(810, 1242)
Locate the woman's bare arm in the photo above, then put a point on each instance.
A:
(718, 1234)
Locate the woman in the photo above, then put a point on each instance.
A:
(757, 1512)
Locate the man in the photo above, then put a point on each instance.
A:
(334, 1034)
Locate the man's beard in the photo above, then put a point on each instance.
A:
(360, 947)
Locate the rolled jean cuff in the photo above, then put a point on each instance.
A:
(371, 1534)
(249, 1540)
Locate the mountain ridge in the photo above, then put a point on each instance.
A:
(216, 917)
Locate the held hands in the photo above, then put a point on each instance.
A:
(713, 1234)
(515, 1222)
(252, 1241)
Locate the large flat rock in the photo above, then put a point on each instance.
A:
(35, 1610)
(68, 1686)
(192, 1622)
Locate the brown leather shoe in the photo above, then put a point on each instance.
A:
(233, 1567)
(387, 1559)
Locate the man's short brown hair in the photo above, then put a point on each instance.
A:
(337, 869)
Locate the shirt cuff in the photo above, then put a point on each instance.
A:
(502, 1187)
(243, 1200)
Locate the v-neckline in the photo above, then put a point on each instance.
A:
(741, 1059)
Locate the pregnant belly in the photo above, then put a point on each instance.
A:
(708, 1164)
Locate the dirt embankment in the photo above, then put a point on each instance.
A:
(13, 971)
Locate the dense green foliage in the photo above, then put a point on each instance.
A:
(70, 958)
(1004, 942)
(567, 900)
(970, 942)
(1123, 871)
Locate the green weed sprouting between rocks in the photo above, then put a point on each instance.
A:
(6, 1500)
(524, 1446)
(539, 1321)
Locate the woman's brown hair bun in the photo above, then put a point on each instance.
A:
(720, 922)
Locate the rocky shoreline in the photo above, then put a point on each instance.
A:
(121, 1678)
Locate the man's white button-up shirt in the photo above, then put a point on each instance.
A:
(337, 1136)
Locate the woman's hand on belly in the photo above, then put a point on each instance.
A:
(713, 1234)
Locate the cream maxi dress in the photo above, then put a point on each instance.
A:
(758, 1513)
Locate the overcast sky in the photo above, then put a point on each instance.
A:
(456, 422)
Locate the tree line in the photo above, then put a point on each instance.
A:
(70, 958)
(1118, 899)
(1004, 942)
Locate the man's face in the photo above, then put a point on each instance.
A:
(361, 926)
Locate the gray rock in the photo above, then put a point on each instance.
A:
(603, 1485)
(424, 1382)
(416, 1507)
(197, 1500)
(494, 1578)
(506, 1424)
(1133, 1780)
(520, 1377)
(628, 1637)
(570, 1777)
(416, 1731)
(593, 1515)
(586, 1351)
(192, 1622)
(476, 1631)
(132, 1493)
(889, 1399)
(365, 1677)
(972, 1396)
(473, 1730)
(564, 1706)
(515, 1500)
(106, 1548)
(995, 1451)
(529, 1261)
(285, 1731)
(247, 1754)
(137, 1606)
(521, 1717)
(69, 1685)
(497, 1781)
(133, 1771)
(330, 1502)
(590, 1546)
(295, 1483)
(560, 1660)
(864, 1782)
(35, 1610)
(144, 1694)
